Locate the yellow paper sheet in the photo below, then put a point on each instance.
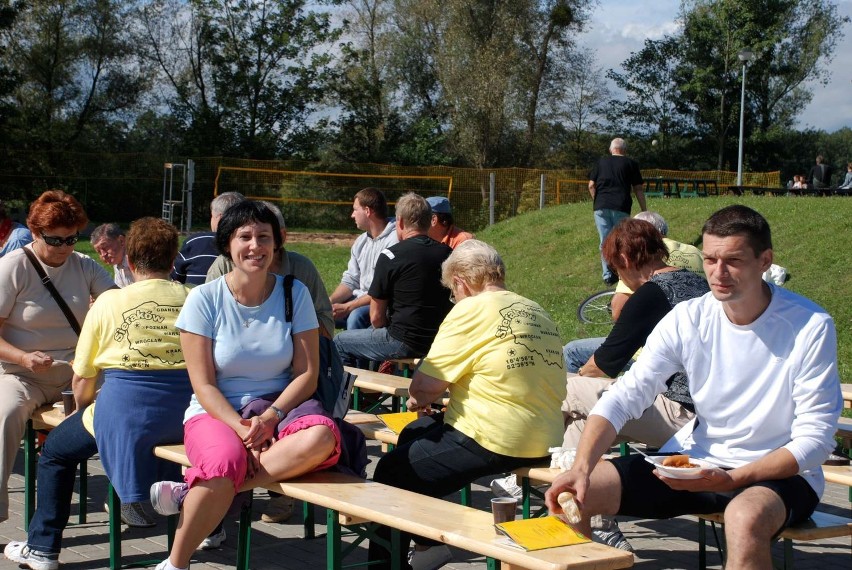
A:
(396, 422)
(540, 533)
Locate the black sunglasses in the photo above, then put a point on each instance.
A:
(56, 241)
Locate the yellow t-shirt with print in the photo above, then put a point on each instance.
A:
(131, 328)
(502, 355)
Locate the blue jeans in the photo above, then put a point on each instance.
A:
(370, 344)
(578, 352)
(605, 220)
(65, 447)
(358, 319)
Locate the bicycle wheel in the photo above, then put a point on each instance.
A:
(596, 309)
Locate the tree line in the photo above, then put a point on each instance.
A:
(482, 83)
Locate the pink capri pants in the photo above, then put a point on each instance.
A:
(215, 450)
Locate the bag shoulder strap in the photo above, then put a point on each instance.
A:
(48, 284)
(288, 297)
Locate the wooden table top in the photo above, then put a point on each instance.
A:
(456, 525)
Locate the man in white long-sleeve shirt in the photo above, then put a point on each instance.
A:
(350, 302)
(762, 369)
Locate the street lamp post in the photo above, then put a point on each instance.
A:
(745, 56)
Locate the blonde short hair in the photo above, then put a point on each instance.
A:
(474, 262)
(414, 211)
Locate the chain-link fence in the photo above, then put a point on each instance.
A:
(124, 187)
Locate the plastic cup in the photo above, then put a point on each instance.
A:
(68, 403)
(503, 509)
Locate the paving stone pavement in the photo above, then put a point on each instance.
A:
(659, 544)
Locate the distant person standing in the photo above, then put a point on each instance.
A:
(610, 183)
(443, 228)
(108, 241)
(820, 174)
(199, 250)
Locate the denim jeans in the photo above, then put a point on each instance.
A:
(605, 220)
(65, 447)
(434, 459)
(370, 344)
(578, 352)
(358, 319)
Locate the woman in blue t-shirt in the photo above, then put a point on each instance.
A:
(252, 419)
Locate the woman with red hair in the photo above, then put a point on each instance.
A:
(37, 337)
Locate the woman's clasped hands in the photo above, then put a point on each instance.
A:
(258, 436)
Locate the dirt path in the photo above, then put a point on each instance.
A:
(321, 237)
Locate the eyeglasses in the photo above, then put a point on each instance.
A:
(56, 241)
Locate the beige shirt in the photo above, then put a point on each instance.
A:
(33, 319)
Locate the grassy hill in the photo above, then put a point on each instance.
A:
(552, 255)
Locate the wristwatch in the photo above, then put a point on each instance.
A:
(279, 413)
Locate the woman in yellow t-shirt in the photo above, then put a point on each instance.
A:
(500, 357)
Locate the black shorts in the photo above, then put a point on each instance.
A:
(644, 495)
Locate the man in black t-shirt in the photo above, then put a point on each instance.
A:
(408, 301)
(611, 181)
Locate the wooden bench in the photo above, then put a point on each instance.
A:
(847, 395)
(356, 503)
(394, 387)
(819, 526)
(45, 419)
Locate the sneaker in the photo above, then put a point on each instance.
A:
(429, 559)
(279, 509)
(611, 280)
(20, 552)
(135, 515)
(611, 535)
(215, 540)
(166, 565)
(507, 487)
(167, 496)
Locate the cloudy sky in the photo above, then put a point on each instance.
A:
(619, 27)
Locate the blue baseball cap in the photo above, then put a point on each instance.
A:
(440, 205)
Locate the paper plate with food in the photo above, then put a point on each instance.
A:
(679, 466)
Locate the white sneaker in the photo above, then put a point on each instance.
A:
(214, 541)
(20, 552)
(430, 559)
(507, 487)
(166, 565)
(167, 496)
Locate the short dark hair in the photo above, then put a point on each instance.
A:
(637, 240)
(152, 245)
(445, 220)
(739, 220)
(374, 199)
(241, 214)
